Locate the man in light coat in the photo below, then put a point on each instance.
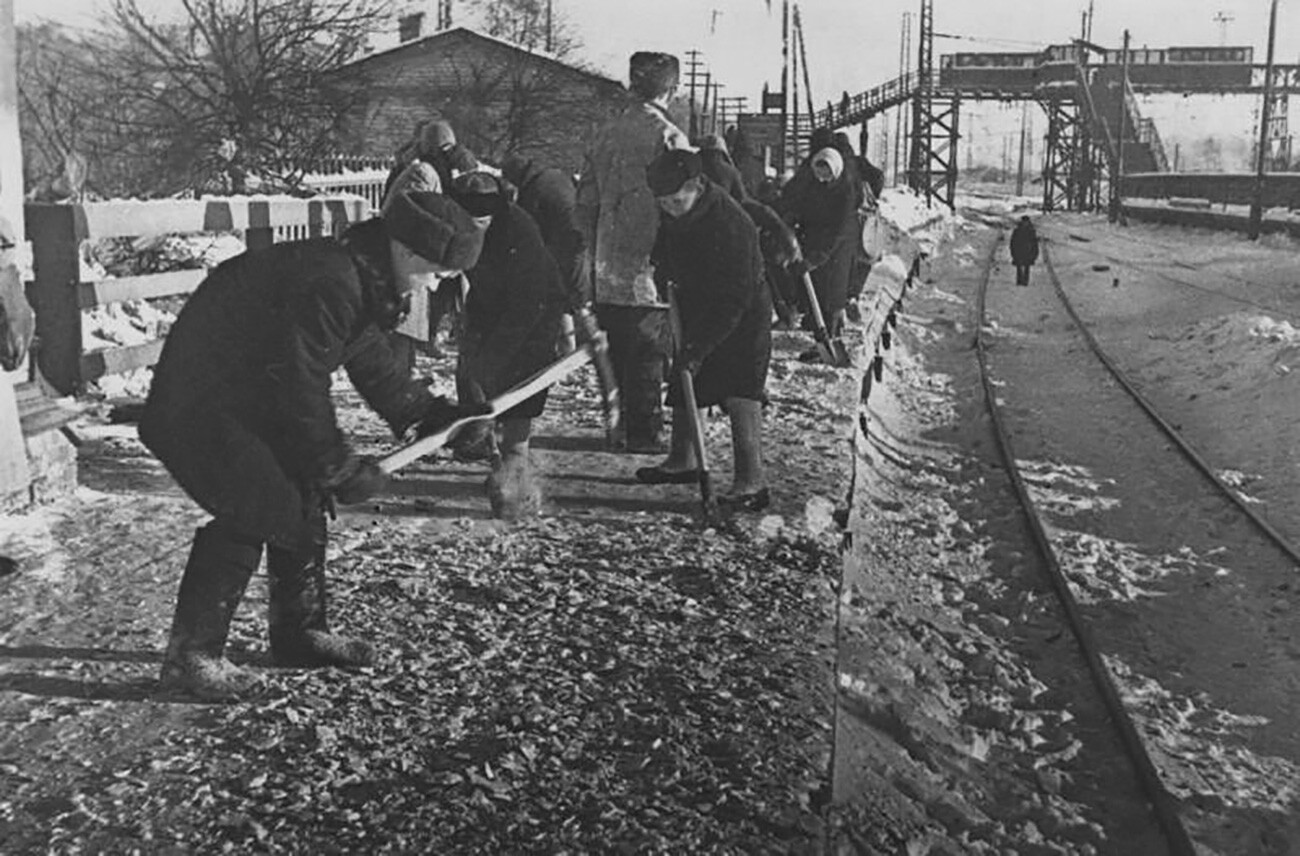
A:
(620, 220)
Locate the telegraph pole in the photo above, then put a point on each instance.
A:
(692, 76)
(904, 48)
(1117, 180)
(1020, 167)
(550, 27)
(1261, 153)
(1223, 19)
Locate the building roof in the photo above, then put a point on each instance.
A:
(443, 35)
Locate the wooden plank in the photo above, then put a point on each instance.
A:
(145, 218)
(14, 473)
(146, 287)
(112, 361)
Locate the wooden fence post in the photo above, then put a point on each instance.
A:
(56, 233)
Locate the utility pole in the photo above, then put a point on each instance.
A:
(1087, 36)
(550, 27)
(1261, 150)
(1117, 180)
(692, 78)
(1223, 19)
(1020, 167)
(785, 85)
(904, 49)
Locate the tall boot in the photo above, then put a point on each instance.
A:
(298, 619)
(216, 574)
(512, 492)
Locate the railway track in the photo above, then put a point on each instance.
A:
(1184, 645)
(1078, 240)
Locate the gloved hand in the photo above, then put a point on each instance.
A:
(585, 325)
(357, 480)
(442, 411)
(798, 267)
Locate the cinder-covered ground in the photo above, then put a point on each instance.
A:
(616, 677)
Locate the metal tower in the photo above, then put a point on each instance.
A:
(932, 161)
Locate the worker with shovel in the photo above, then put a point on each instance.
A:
(240, 414)
(707, 258)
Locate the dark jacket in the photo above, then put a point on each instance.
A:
(711, 255)
(512, 314)
(722, 172)
(239, 410)
(872, 175)
(824, 216)
(1024, 244)
(550, 197)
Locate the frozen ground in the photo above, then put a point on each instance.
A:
(614, 677)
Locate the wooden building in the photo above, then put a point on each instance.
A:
(499, 97)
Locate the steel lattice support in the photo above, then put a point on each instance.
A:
(932, 160)
(1063, 155)
(933, 169)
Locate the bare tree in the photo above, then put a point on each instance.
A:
(225, 90)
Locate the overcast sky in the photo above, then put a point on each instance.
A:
(854, 44)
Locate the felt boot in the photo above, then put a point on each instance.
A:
(215, 577)
(511, 490)
(298, 618)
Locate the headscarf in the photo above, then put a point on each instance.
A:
(832, 159)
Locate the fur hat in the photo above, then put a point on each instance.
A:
(437, 136)
(480, 193)
(651, 74)
(671, 169)
(434, 228)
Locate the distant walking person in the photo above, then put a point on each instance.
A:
(1024, 249)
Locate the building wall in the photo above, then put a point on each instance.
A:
(499, 99)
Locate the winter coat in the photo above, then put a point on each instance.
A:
(1024, 244)
(711, 256)
(616, 210)
(416, 176)
(239, 410)
(550, 197)
(872, 176)
(824, 215)
(512, 314)
(722, 172)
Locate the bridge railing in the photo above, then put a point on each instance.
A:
(1145, 130)
(864, 105)
(59, 292)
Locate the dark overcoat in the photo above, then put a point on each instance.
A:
(550, 197)
(512, 314)
(722, 172)
(711, 256)
(239, 410)
(1024, 244)
(824, 216)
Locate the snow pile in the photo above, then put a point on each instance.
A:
(1280, 332)
(903, 207)
(138, 322)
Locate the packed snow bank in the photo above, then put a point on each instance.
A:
(1241, 349)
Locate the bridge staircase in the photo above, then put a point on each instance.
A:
(1143, 149)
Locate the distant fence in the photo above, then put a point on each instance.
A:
(59, 295)
(366, 183)
(1281, 189)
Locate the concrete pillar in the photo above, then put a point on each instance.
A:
(14, 473)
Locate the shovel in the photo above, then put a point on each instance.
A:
(832, 351)
(552, 374)
(693, 424)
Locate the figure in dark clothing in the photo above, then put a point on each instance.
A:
(780, 250)
(511, 330)
(719, 167)
(550, 197)
(240, 414)
(707, 256)
(1024, 249)
(824, 215)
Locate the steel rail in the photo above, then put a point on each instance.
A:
(1162, 802)
(1184, 445)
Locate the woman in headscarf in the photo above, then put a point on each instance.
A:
(824, 215)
